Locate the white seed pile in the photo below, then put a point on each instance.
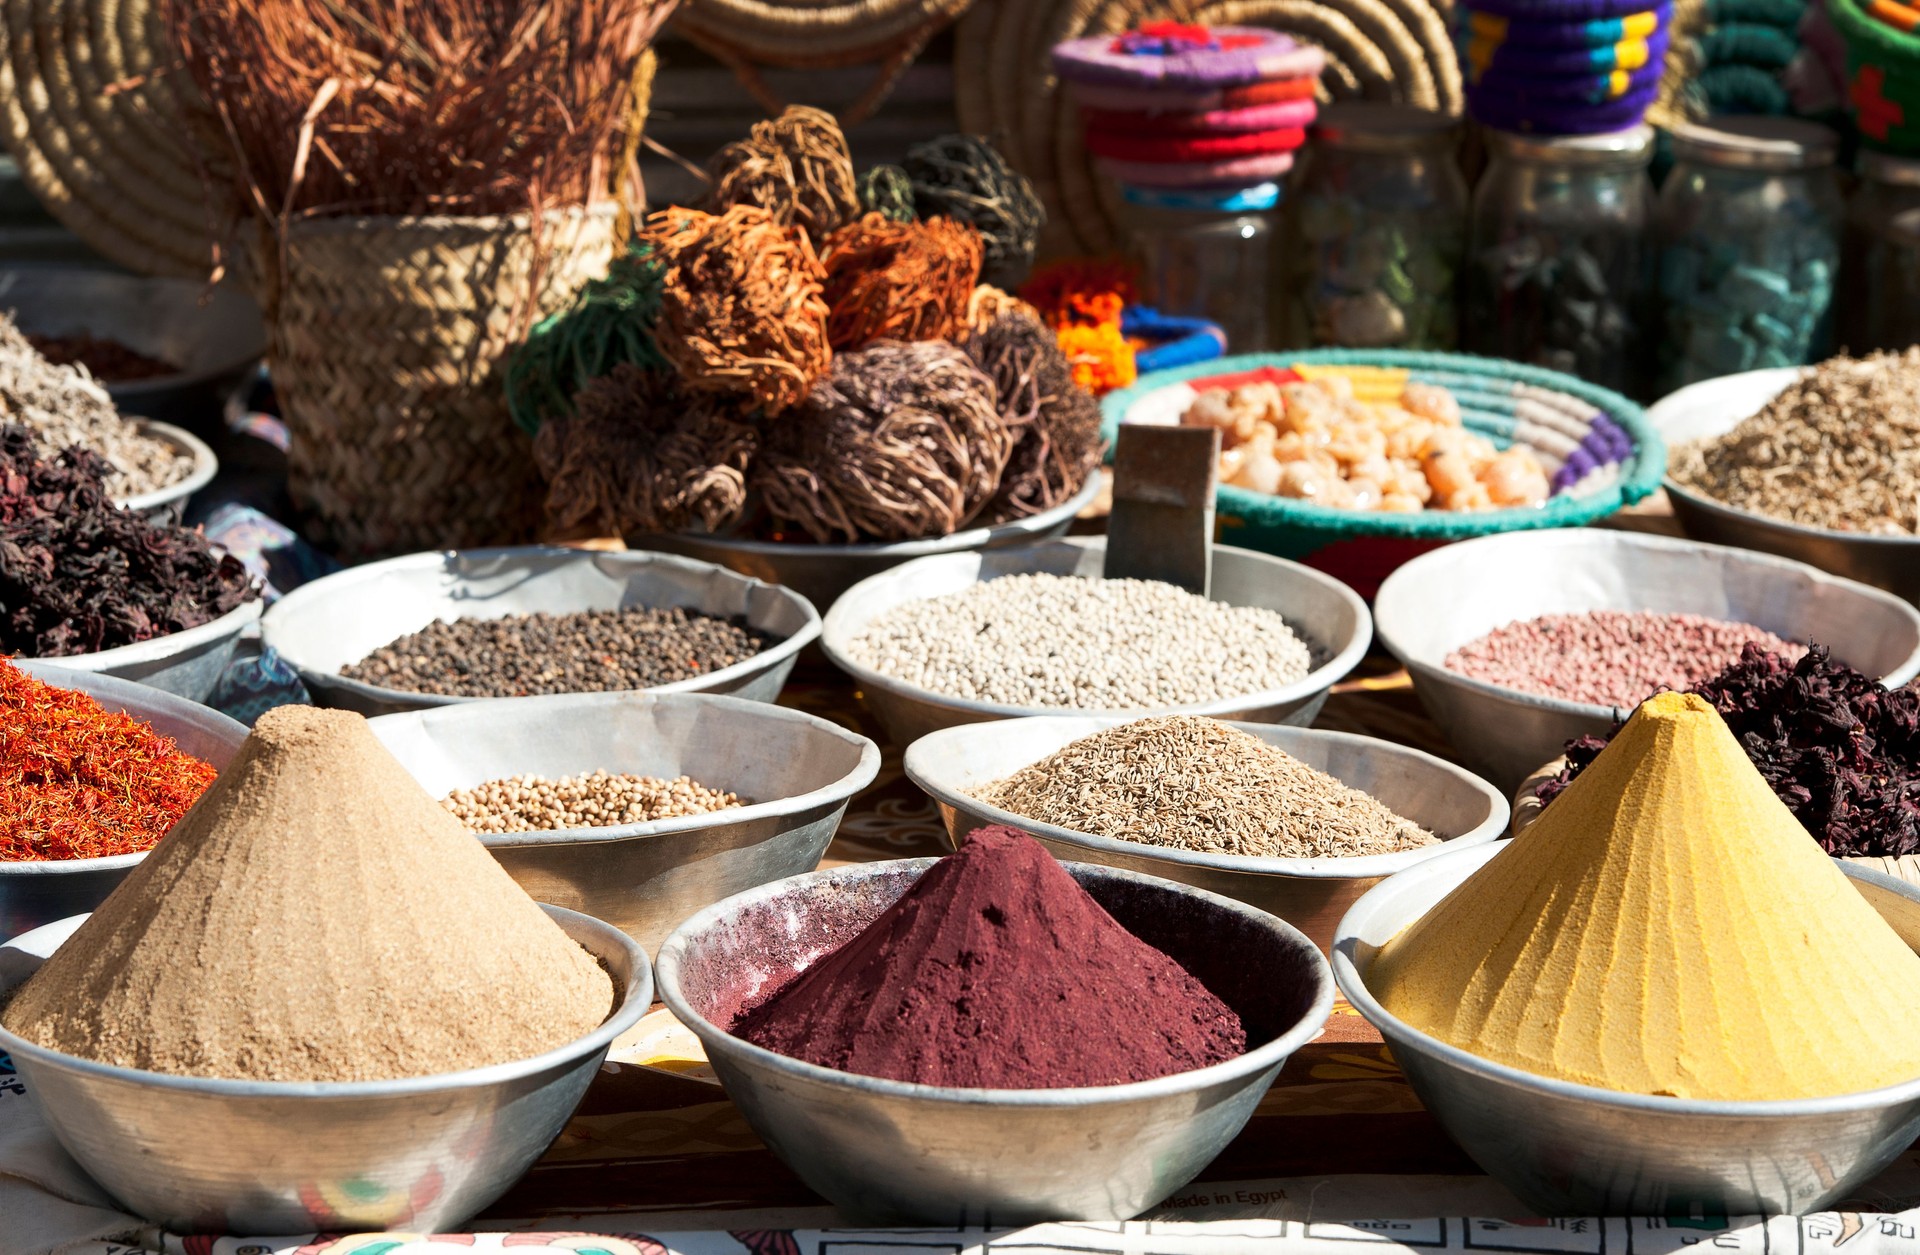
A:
(1082, 644)
(598, 800)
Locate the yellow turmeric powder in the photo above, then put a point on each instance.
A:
(1665, 927)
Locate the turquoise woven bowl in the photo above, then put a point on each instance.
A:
(1565, 421)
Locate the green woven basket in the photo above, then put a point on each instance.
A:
(1883, 78)
(1567, 422)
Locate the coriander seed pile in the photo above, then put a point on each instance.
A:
(1188, 783)
(599, 799)
(1065, 642)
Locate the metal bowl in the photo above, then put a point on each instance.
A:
(1452, 596)
(1718, 406)
(207, 1155)
(823, 573)
(187, 664)
(890, 1152)
(32, 894)
(1309, 893)
(339, 619)
(1327, 614)
(169, 504)
(796, 772)
(1576, 1150)
(215, 335)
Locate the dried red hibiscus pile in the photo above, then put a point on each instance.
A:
(79, 574)
(1841, 751)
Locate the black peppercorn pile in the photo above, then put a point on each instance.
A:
(528, 655)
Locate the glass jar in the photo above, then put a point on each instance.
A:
(1749, 237)
(1557, 257)
(1195, 251)
(1376, 227)
(1879, 306)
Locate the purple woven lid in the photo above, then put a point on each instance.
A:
(1231, 55)
(1547, 32)
(1589, 88)
(1548, 12)
(1529, 115)
(1530, 60)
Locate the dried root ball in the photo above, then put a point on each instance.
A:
(899, 442)
(796, 167)
(741, 310)
(637, 456)
(1056, 422)
(988, 303)
(899, 280)
(964, 177)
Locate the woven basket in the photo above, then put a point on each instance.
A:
(384, 338)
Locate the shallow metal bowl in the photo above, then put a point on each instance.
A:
(822, 573)
(206, 1155)
(33, 894)
(187, 664)
(1576, 1150)
(1328, 616)
(1309, 893)
(339, 619)
(169, 504)
(890, 1152)
(1717, 406)
(796, 773)
(1452, 596)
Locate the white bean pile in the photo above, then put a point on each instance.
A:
(1082, 644)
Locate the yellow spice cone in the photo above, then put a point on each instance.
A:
(1665, 927)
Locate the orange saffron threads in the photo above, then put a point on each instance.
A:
(79, 781)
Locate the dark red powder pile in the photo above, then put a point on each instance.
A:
(997, 971)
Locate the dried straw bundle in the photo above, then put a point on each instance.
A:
(796, 167)
(412, 107)
(899, 442)
(741, 307)
(965, 177)
(636, 456)
(1056, 422)
(899, 280)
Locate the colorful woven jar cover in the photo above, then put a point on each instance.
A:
(1220, 200)
(1126, 146)
(1240, 171)
(1574, 88)
(1186, 56)
(1475, 26)
(1558, 12)
(1532, 115)
(1284, 115)
(1125, 99)
(1479, 59)
(1883, 78)
(1899, 16)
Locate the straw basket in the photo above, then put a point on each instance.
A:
(384, 339)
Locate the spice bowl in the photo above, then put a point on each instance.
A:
(169, 504)
(33, 894)
(211, 1155)
(186, 664)
(1327, 615)
(1448, 598)
(795, 772)
(1309, 893)
(892, 1152)
(339, 619)
(1577, 1150)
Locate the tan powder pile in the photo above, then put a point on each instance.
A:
(1188, 783)
(317, 916)
(599, 799)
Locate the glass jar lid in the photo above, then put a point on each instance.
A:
(1378, 127)
(1887, 168)
(1631, 147)
(1756, 144)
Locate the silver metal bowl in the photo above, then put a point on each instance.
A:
(1577, 1150)
(33, 894)
(1717, 406)
(339, 619)
(1309, 893)
(169, 504)
(822, 573)
(1454, 595)
(187, 664)
(1326, 614)
(890, 1152)
(206, 1155)
(796, 772)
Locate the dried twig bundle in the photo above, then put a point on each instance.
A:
(796, 167)
(741, 309)
(887, 190)
(638, 456)
(1056, 422)
(965, 177)
(899, 442)
(987, 304)
(899, 280)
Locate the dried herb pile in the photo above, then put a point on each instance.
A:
(79, 574)
(1842, 752)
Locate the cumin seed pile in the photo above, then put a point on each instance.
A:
(1187, 783)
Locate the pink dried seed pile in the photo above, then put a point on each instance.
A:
(1610, 657)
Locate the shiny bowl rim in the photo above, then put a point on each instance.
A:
(1339, 662)
(232, 623)
(205, 466)
(1352, 984)
(1590, 537)
(1734, 514)
(772, 656)
(1237, 1069)
(1355, 867)
(600, 940)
